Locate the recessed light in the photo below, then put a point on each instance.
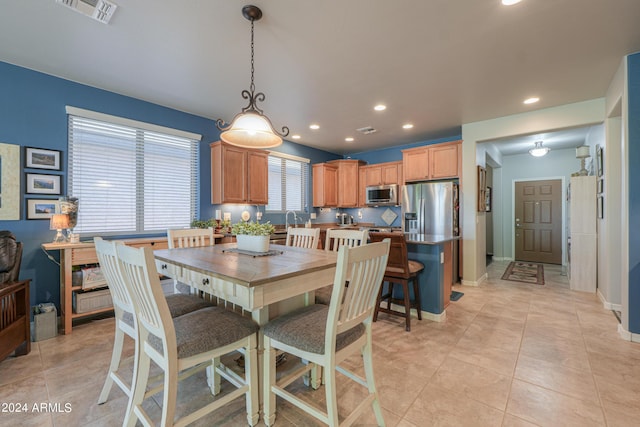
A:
(407, 126)
(510, 2)
(380, 107)
(314, 126)
(531, 100)
(295, 136)
(349, 139)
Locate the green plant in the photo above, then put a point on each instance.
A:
(203, 223)
(253, 228)
(225, 223)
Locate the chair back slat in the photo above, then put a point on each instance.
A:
(351, 305)
(141, 278)
(337, 238)
(303, 237)
(190, 237)
(108, 258)
(398, 264)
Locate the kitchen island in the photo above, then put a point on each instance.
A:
(436, 252)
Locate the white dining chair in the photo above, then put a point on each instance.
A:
(327, 335)
(178, 304)
(303, 237)
(334, 240)
(182, 345)
(188, 238)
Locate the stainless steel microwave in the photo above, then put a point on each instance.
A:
(382, 195)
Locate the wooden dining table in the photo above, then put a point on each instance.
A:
(265, 286)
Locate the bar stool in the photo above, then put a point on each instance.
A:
(400, 270)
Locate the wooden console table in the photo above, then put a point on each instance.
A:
(83, 253)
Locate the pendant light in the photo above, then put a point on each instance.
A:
(251, 128)
(538, 150)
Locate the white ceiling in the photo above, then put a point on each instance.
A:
(557, 140)
(435, 63)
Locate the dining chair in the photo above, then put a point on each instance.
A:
(334, 240)
(327, 335)
(183, 345)
(178, 304)
(400, 271)
(188, 238)
(303, 237)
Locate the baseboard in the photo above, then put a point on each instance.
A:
(608, 305)
(474, 283)
(425, 314)
(498, 258)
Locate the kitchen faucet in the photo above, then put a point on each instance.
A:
(295, 219)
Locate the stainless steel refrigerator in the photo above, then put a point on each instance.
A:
(432, 208)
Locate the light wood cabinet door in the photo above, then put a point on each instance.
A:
(389, 172)
(443, 161)
(373, 175)
(362, 185)
(348, 174)
(258, 182)
(234, 175)
(325, 185)
(415, 163)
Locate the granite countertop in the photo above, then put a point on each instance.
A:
(429, 239)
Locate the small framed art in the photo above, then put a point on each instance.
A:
(487, 200)
(39, 158)
(41, 208)
(600, 207)
(599, 160)
(43, 184)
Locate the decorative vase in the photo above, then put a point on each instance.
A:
(253, 243)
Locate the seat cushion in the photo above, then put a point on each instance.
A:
(179, 304)
(323, 295)
(305, 327)
(207, 329)
(415, 266)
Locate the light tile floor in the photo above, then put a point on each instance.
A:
(508, 354)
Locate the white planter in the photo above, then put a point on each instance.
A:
(253, 243)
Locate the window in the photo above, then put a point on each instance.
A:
(130, 177)
(288, 178)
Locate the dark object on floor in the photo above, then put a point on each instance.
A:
(618, 315)
(455, 295)
(526, 272)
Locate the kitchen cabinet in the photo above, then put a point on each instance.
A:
(348, 178)
(437, 161)
(325, 185)
(238, 175)
(378, 174)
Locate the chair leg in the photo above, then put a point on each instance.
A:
(170, 392)
(331, 395)
(269, 378)
(378, 301)
(407, 306)
(416, 292)
(213, 377)
(371, 385)
(141, 377)
(251, 378)
(116, 354)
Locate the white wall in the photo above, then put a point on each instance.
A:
(543, 120)
(524, 167)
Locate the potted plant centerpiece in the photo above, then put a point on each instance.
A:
(253, 236)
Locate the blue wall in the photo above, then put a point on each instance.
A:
(633, 64)
(32, 113)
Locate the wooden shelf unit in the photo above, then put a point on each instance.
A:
(72, 254)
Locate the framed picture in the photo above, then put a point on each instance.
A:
(601, 186)
(39, 158)
(601, 207)
(43, 184)
(487, 200)
(41, 208)
(9, 182)
(599, 160)
(482, 188)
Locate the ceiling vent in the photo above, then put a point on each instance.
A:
(366, 130)
(100, 10)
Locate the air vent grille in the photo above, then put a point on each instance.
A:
(100, 10)
(366, 130)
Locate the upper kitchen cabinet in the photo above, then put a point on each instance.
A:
(348, 178)
(437, 161)
(325, 185)
(383, 173)
(238, 175)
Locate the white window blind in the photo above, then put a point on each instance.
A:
(288, 178)
(131, 180)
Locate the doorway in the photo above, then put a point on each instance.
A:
(538, 221)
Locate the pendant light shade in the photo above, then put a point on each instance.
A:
(538, 150)
(251, 128)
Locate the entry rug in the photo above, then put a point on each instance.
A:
(524, 272)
